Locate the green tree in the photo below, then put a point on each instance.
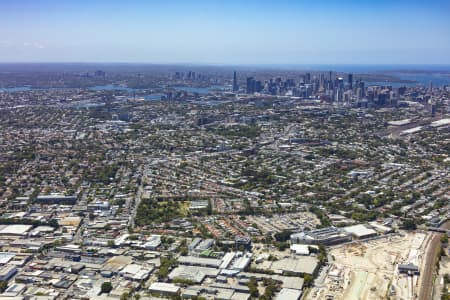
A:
(106, 287)
(124, 296)
(3, 286)
(409, 224)
(253, 287)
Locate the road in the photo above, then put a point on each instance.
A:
(77, 238)
(137, 199)
(426, 288)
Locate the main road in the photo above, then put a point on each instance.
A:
(137, 199)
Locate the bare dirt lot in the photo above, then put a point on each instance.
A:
(368, 270)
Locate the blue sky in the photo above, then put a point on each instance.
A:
(226, 31)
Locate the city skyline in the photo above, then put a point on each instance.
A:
(226, 32)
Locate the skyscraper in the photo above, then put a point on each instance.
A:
(350, 81)
(235, 85)
(251, 85)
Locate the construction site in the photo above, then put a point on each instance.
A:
(383, 268)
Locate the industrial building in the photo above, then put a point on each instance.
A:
(56, 199)
(7, 271)
(408, 269)
(300, 249)
(204, 245)
(360, 231)
(199, 261)
(164, 288)
(299, 265)
(15, 229)
(243, 242)
(288, 294)
(325, 236)
(193, 273)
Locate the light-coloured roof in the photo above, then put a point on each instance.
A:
(193, 273)
(412, 130)
(164, 287)
(300, 249)
(441, 122)
(288, 294)
(400, 122)
(193, 260)
(16, 229)
(299, 264)
(5, 257)
(359, 230)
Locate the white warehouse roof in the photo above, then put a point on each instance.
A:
(360, 230)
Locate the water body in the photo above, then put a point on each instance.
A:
(111, 87)
(438, 80)
(30, 88)
(89, 105)
(360, 68)
(153, 97)
(198, 90)
(189, 89)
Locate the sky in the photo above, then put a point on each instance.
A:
(229, 32)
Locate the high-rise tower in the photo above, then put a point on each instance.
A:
(235, 85)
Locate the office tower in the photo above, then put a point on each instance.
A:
(359, 93)
(258, 86)
(251, 85)
(382, 97)
(99, 73)
(350, 81)
(401, 90)
(431, 87)
(308, 78)
(338, 95)
(361, 85)
(235, 85)
(340, 82)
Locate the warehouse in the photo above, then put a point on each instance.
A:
(360, 231)
(408, 269)
(6, 272)
(288, 294)
(136, 272)
(164, 288)
(300, 249)
(193, 273)
(199, 261)
(324, 236)
(56, 199)
(16, 229)
(299, 265)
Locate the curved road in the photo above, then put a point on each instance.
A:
(426, 288)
